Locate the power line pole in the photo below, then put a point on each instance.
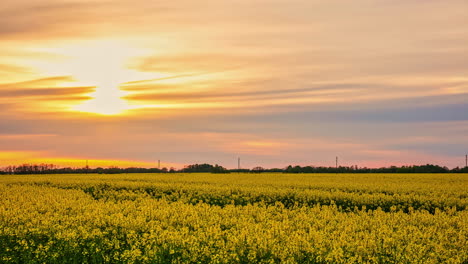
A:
(159, 164)
(87, 167)
(466, 160)
(336, 162)
(238, 163)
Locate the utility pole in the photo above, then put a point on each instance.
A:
(159, 164)
(87, 167)
(238, 163)
(466, 160)
(336, 162)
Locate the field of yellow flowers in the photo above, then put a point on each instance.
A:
(234, 218)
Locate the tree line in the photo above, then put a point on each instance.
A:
(208, 168)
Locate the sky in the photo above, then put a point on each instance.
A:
(128, 83)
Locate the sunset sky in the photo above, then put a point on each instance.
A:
(274, 82)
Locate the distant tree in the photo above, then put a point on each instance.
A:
(198, 168)
(219, 169)
(274, 170)
(241, 170)
(52, 169)
(258, 169)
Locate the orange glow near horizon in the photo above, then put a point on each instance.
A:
(15, 158)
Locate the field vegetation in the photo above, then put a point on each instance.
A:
(234, 218)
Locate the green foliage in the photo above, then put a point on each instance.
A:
(236, 218)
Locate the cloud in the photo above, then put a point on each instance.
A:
(8, 68)
(45, 92)
(41, 95)
(43, 82)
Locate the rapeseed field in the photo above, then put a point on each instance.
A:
(234, 218)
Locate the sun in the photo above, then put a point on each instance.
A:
(103, 65)
(103, 105)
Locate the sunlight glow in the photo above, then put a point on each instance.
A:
(41, 157)
(101, 64)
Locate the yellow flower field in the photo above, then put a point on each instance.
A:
(234, 218)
